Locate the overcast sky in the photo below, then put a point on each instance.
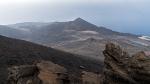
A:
(121, 15)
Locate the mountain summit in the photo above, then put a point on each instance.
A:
(83, 23)
(79, 19)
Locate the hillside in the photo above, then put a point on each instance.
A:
(75, 37)
(19, 52)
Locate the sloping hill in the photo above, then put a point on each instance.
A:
(74, 36)
(58, 32)
(18, 52)
(77, 29)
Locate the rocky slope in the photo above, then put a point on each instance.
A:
(121, 68)
(15, 52)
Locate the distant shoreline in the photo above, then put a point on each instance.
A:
(145, 38)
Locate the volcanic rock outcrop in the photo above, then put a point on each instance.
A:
(47, 72)
(121, 68)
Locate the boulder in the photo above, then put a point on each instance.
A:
(24, 74)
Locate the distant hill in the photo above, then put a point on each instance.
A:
(19, 52)
(8, 31)
(74, 30)
(75, 37)
(28, 26)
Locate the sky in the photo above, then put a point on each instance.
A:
(130, 16)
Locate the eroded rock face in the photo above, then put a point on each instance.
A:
(51, 73)
(46, 72)
(120, 68)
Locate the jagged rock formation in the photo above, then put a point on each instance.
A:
(121, 68)
(47, 72)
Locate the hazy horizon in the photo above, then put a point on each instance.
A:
(130, 16)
